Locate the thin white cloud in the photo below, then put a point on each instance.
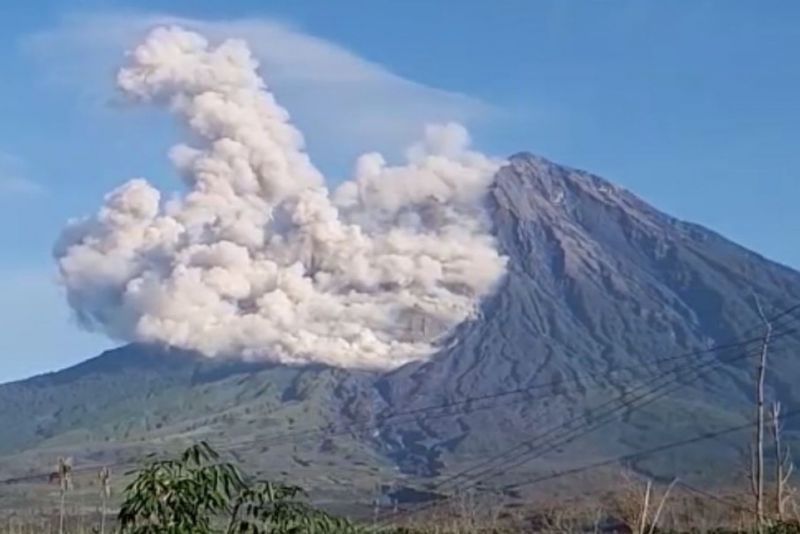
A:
(333, 94)
(13, 181)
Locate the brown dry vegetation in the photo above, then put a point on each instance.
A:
(618, 510)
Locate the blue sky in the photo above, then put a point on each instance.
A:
(694, 105)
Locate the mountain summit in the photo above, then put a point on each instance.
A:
(605, 297)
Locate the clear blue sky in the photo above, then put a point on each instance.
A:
(694, 105)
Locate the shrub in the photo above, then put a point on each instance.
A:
(198, 494)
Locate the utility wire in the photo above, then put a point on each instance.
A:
(331, 430)
(465, 401)
(574, 434)
(485, 466)
(646, 452)
(384, 417)
(608, 410)
(639, 454)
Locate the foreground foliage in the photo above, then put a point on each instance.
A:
(199, 494)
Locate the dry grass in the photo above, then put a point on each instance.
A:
(47, 522)
(634, 505)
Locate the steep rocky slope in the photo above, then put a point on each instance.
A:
(602, 287)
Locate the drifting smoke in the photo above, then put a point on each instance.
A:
(257, 259)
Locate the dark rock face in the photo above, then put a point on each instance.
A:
(602, 290)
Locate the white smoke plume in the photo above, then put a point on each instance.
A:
(257, 259)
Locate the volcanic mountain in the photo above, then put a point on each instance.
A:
(616, 329)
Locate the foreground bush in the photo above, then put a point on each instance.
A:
(199, 494)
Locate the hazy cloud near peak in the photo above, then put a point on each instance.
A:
(335, 94)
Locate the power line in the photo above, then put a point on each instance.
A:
(382, 418)
(234, 446)
(569, 438)
(610, 407)
(485, 466)
(527, 443)
(627, 405)
(647, 452)
(572, 435)
(638, 454)
(475, 475)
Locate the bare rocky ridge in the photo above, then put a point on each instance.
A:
(601, 289)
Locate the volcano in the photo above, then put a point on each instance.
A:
(616, 329)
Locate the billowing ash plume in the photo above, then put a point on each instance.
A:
(257, 259)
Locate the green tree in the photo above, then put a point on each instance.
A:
(199, 494)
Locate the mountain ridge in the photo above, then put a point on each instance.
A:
(601, 286)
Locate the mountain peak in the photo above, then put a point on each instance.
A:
(530, 186)
(533, 187)
(549, 174)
